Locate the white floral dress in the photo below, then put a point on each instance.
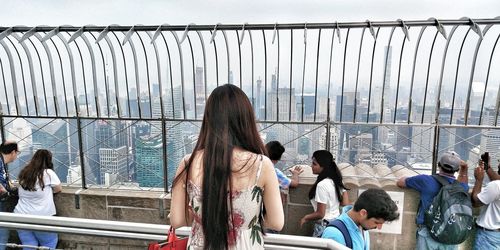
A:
(247, 204)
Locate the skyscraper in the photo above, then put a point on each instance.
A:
(149, 160)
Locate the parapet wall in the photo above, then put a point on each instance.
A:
(153, 207)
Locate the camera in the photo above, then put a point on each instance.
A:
(485, 158)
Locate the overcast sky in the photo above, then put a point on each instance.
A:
(130, 12)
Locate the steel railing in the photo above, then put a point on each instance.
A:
(141, 231)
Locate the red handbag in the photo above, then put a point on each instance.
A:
(172, 243)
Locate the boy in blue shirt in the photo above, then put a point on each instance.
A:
(428, 187)
(371, 210)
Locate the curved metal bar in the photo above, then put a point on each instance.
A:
(170, 71)
(84, 81)
(343, 75)
(399, 73)
(52, 74)
(382, 100)
(72, 69)
(115, 71)
(410, 97)
(427, 77)
(62, 74)
(194, 75)
(43, 78)
(486, 85)
(456, 74)
(253, 72)
(316, 80)
(265, 73)
(228, 58)
(147, 75)
(329, 85)
(371, 75)
(216, 61)
(13, 77)
(124, 74)
(136, 70)
(182, 73)
(278, 77)
(239, 54)
(106, 83)
(440, 85)
(32, 73)
(473, 68)
(94, 73)
(291, 78)
(357, 76)
(5, 91)
(303, 77)
(158, 69)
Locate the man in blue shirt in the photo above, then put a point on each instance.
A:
(371, 210)
(8, 153)
(274, 151)
(428, 187)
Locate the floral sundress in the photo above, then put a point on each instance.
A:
(247, 204)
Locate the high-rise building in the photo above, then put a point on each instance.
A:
(199, 87)
(113, 163)
(149, 160)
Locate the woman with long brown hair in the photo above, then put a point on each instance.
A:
(219, 189)
(37, 183)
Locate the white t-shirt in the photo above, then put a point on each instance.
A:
(490, 214)
(326, 194)
(39, 202)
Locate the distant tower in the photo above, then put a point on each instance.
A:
(199, 87)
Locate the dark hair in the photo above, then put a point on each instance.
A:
(330, 170)
(33, 172)
(8, 147)
(228, 122)
(275, 150)
(378, 204)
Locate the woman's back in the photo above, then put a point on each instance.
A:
(247, 198)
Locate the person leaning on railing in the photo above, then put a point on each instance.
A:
(37, 184)
(8, 153)
(327, 193)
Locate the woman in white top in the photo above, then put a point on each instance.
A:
(327, 193)
(37, 183)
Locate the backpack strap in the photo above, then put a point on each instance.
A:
(443, 181)
(343, 229)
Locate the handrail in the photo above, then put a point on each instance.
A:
(247, 26)
(142, 231)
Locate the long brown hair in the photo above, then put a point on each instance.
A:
(228, 122)
(33, 172)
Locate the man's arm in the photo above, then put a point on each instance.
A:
(492, 174)
(463, 173)
(401, 182)
(296, 171)
(479, 176)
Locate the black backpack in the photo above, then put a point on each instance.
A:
(449, 218)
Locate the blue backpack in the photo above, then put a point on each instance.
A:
(343, 229)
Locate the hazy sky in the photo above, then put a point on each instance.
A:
(129, 12)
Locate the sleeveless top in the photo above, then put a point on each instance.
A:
(247, 204)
